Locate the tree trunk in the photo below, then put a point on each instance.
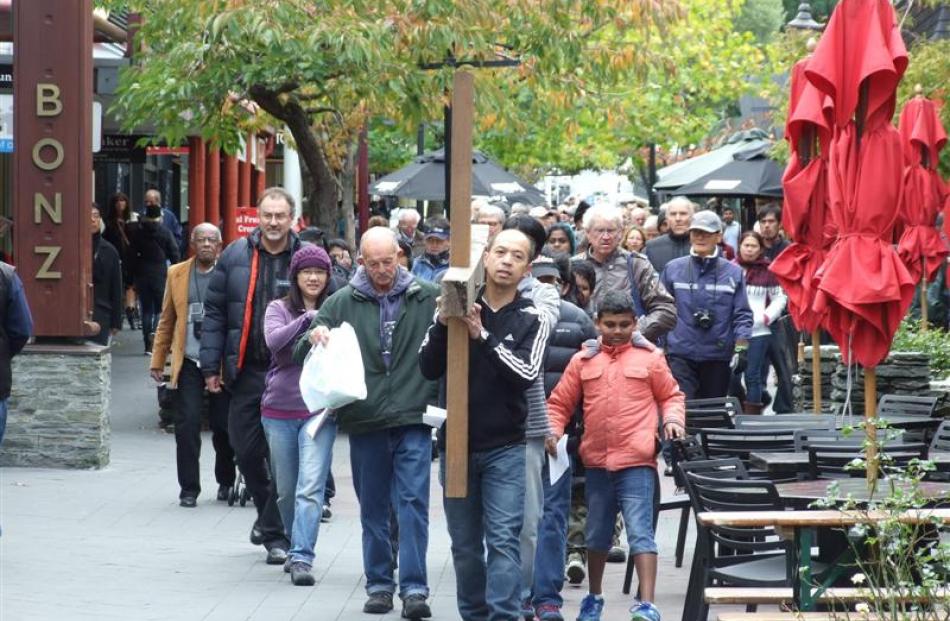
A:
(322, 199)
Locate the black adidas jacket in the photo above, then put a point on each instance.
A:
(501, 369)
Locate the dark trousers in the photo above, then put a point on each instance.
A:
(250, 446)
(701, 379)
(151, 290)
(190, 403)
(776, 357)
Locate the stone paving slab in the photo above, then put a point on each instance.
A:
(114, 544)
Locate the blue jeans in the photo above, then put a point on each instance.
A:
(300, 465)
(755, 361)
(492, 514)
(552, 541)
(393, 464)
(631, 491)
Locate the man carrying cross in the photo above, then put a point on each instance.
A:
(506, 351)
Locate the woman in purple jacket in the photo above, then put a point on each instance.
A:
(299, 462)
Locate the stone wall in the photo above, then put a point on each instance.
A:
(901, 373)
(59, 408)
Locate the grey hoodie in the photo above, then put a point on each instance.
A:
(389, 305)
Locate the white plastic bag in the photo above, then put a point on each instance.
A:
(332, 374)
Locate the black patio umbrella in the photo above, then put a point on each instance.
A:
(750, 173)
(424, 179)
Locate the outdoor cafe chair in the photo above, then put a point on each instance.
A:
(833, 461)
(908, 405)
(941, 439)
(730, 404)
(734, 556)
(785, 421)
(740, 442)
(697, 420)
(806, 437)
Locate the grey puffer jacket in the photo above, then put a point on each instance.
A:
(224, 333)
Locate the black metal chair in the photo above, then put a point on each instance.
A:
(785, 421)
(741, 442)
(806, 437)
(730, 404)
(941, 439)
(697, 420)
(906, 405)
(836, 461)
(731, 556)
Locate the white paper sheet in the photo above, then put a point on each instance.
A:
(434, 417)
(316, 421)
(560, 464)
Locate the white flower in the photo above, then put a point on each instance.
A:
(858, 579)
(862, 607)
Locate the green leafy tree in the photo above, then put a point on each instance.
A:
(223, 67)
(763, 18)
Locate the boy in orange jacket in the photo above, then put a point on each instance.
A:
(625, 384)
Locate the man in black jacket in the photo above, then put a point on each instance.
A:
(675, 243)
(151, 250)
(250, 273)
(506, 353)
(107, 289)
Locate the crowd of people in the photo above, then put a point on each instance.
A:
(576, 301)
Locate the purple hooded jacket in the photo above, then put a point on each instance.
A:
(281, 397)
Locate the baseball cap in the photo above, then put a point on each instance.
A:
(705, 221)
(544, 266)
(438, 231)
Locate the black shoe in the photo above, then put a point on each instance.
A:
(617, 555)
(327, 514)
(188, 501)
(223, 491)
(668, 471)
(415, 607)
(257, 537)
(276, 556)
(300, 574)
(379, 603)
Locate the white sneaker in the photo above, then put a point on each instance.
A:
(575, 570)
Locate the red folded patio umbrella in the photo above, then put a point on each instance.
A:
(921, 247)
(862, 285)
(808, 130)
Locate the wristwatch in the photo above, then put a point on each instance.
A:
(483, 335)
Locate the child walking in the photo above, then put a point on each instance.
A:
(624, 384)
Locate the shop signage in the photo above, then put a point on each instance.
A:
(247, 220)
(52, 176)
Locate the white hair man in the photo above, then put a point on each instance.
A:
(493, 216)
(408, 229)
(675, 243)
(619, 270)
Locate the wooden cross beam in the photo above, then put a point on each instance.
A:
(460, 284)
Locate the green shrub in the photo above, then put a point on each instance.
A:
(934, 342)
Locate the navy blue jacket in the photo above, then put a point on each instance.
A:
(713, 284)
(16, 324)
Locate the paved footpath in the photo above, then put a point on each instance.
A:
(113, 544)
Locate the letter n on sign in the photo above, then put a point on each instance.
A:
(52, 176)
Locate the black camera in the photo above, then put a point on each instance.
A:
(196, 330)
(703, 319)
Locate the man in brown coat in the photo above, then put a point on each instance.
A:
(179, 334)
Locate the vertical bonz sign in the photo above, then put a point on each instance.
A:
(52, 178)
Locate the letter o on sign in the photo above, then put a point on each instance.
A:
(52, 143)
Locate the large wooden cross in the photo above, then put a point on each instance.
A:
(460, 283)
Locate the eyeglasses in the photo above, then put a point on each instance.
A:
(604, 232)
(274, 217)
(206, 240)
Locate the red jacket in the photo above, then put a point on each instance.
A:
(624, 390)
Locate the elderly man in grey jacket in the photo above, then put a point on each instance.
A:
(619, 270)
